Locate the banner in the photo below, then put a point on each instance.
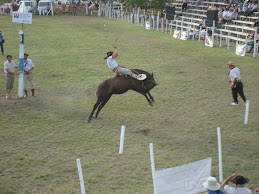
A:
(20, 17)
(184, 35)
(208, 41)
(240, 49)
(176, 34)
(187, 179)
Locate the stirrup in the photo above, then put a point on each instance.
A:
(141, 77)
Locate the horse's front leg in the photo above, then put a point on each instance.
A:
(151, 97)
(150, 103)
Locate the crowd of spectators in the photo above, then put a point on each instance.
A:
(232, 9)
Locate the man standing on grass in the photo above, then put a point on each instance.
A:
(28, 67)
(9, 69)
(236, 84)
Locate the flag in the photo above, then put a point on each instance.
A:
(187, 179)
(240, 49)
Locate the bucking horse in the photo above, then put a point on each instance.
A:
(121, 84)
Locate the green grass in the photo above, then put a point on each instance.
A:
(41, 138)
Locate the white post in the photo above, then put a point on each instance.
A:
(247, 111)
(21, 58)
(220, 38)
(220, 155)
(122, 139)
(86, 9)
(171, 28)
(80, 176)
(255, 37)
(152, 165)
(157, 21)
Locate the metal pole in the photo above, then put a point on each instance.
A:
(21, 60)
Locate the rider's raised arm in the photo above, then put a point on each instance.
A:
(115, 54)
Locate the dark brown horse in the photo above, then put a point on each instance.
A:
(121, 84)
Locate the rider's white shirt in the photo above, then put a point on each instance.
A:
(111, 63)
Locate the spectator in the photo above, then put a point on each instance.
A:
(9, 69)
(202, 24)
(212, 186)
(184, 6)
(198, 2)
(245, 6)
(251, 41)
(239, 181)
(2, 42)
(228, 15)
(236, 84)
(28, 67)
(7, 10)
(253, 9)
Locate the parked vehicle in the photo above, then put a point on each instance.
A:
(28, 6)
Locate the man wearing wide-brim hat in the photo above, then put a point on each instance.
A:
(236, 84)
(240, 183)
(212, 186)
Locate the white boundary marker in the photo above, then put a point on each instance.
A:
(80, 176)
(152, 165)
(247, 111)
(122, 139)
(220, 155)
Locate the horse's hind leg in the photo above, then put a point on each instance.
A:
(101, 106)
(151, 97)
(95, 107)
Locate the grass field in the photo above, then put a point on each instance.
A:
(41, 138)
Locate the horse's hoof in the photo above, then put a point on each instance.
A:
(150, 104)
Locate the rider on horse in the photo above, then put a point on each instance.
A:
(120, 69)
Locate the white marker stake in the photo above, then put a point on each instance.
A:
(122, 139)
(152, 165)
(80, 176)
(220, 155)
(247, 111)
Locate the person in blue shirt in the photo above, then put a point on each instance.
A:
(212, 186)
(2, 42)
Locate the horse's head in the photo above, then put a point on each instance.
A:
(149, 82)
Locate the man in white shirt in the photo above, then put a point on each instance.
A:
(9, 69)
(27, 76)
(236, 84)
(239, 181)
(120, 69)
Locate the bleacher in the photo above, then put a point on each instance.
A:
(237, 30)
(189, 20)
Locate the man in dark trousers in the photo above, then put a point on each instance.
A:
(236, 84)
